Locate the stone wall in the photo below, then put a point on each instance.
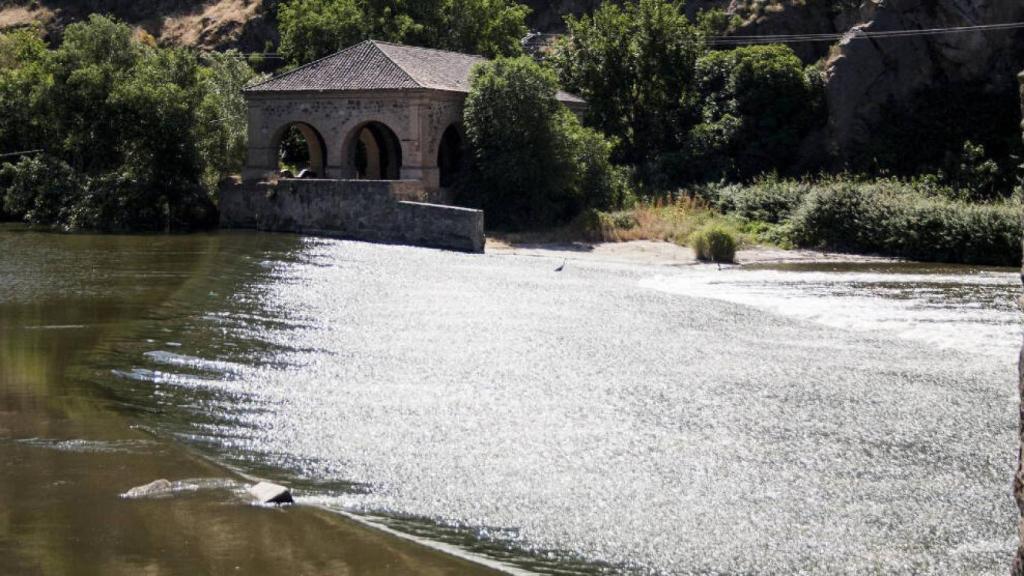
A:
(370, 210)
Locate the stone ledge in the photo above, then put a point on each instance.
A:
(369, 210)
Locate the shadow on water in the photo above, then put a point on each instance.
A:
(70, 444)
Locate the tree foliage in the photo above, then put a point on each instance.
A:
(757, 105)
(147, 132)
(634, 64)
(532, 163)
(312, 29)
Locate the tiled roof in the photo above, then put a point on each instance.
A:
(374, 65)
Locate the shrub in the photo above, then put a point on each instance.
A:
(891, 217)
(714, 243)
(601, 185)
(768, 199)
(40, 189)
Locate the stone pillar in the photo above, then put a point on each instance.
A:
(417, 163)
(1018, 478)
(261, 159)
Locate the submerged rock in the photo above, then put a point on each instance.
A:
(154, 488)
(268, 493)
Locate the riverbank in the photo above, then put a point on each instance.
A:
(658, 252)
(916, 220)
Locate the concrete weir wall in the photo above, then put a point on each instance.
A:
(370, 210)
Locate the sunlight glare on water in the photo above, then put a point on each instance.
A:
(645, 420)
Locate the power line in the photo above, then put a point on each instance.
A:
(858, 34)
(23, 153)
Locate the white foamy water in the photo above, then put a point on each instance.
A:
(974, 312)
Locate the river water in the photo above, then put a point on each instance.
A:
(609, 418)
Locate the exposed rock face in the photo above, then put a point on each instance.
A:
(245, 24)
(863, 75)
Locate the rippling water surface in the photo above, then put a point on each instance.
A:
(607, 418)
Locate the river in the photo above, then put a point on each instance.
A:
(608, 418)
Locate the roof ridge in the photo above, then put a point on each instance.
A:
(387, 57)
(307, 65)
(427, 48)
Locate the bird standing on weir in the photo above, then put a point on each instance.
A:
(562, 267)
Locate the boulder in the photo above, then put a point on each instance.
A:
(268, 493)
(154, 488)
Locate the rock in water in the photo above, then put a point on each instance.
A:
(154, 488)
(268, 493)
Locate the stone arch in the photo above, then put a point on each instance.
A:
(450, 155)
(373, 151)
(316, 146)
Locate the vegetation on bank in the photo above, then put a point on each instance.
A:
(122, 135)
(714, 243)
(909, 219)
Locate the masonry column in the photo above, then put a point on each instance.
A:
(261, 160)
(416, 161)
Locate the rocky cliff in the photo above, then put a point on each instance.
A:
(865, 75)
(209, 24)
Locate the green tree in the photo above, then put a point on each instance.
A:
(531, 162)
(222, 121)
(312, 29)
(135, 136)
(758, 103)
(487, 27)
(634, 64)
(25, 81)
(522, 166)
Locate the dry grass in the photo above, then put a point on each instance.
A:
(209, 25)
(668, 221)
(16, 16)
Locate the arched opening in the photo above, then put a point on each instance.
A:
(449, 156)
(300, 152)
(376, 153)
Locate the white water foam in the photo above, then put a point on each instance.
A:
(973, 312)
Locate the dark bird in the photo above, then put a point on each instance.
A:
(560, 268)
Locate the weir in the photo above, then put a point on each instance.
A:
(386, 211)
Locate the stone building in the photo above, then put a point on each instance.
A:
(382, 127)
(375, 111)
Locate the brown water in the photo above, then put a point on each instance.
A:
(607, 418)
(69, 447)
